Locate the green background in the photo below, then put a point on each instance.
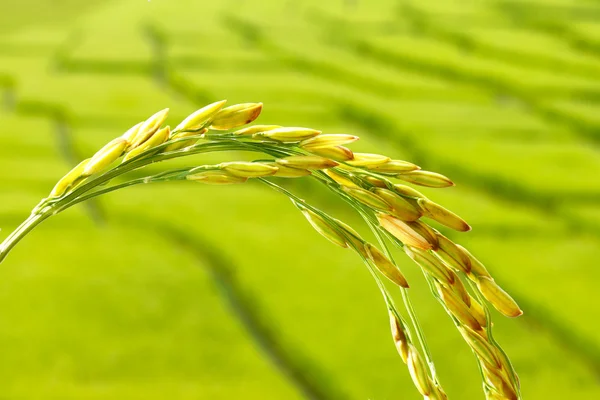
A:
(184, 291)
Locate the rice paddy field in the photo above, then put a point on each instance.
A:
(185, 291)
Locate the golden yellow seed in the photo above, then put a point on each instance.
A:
(351, 231)
(459, 288)
(496, 377)
(105, 156)
(184, 143)
(251, 130)
(237, 115)
(199, 118)
(436, 393)
(426, 232)
(307, 162)
(385, 266)
(215, 178)
(286, 172)
(399, 336)
(443, 215)
(148, 128)
(400, 208)
(353, 238)
(407, 191)
(288, 134)
(323, 227)
(478, 312)
(368, 160)
(477, 268)
(367, 198)
(327, 140)
(481, 347)
(375, 181)
(245, 169)
(498, 297)
(453, 255)
(492, 394)
(506, 367)
(69, 180)
(394, 166)
(131, 132)
(458, 308)
(418, 371)
(499, 382)
(161, 136)
(342, 180)
(403, 232)
(338, 153)
(348, 168)
(426, 178)
(431, 265)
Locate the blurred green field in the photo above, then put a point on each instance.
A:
(185, 291)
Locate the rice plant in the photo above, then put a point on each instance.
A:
(395, 212)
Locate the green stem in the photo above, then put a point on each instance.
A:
(11, 241)
(52, 206)
(388, 299)
(407, 302)
(173, 175)
(405, 297)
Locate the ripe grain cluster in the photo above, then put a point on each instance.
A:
(377, 186)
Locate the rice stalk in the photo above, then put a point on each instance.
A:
(395, 212)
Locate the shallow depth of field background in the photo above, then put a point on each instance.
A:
(185, 291)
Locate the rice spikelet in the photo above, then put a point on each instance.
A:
(385, 266)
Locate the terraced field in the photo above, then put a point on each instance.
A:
(187, 292)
